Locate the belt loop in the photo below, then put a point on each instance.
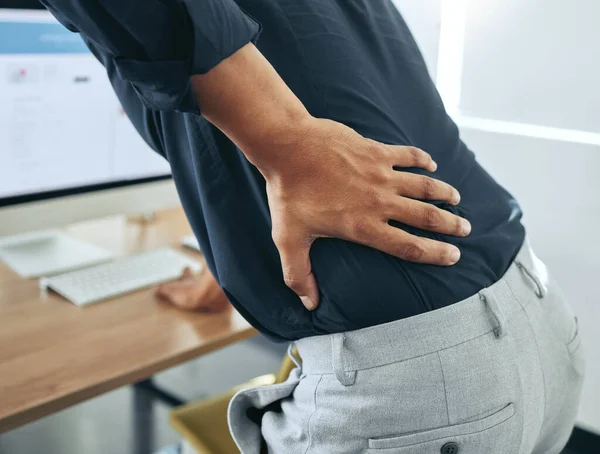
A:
(492, 304)
(337, 355)
(290, 353)
(541, 290)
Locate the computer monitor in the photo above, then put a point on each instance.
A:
(67, 150)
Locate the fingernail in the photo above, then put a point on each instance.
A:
(454, 256)
(456, 198)
(433, 166)
(308, 303)
(466, 227)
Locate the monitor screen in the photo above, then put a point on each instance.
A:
(62, 129)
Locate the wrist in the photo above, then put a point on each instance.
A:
(271, 145)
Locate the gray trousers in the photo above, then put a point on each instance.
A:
(499, 372)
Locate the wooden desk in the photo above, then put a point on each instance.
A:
(54, 354)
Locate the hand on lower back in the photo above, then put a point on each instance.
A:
(323, 179)
(332, 182)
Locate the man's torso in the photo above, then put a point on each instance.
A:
(353, 61)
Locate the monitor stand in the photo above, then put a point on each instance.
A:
(49, 252)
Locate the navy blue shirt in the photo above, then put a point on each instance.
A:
(353, 61)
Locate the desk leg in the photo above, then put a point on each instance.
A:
(144, 393)
(158, 393)
(143, 422)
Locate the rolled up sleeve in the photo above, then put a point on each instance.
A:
(157, 45)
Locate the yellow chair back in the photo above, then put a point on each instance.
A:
(204, 423)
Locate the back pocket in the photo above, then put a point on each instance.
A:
(492, 434)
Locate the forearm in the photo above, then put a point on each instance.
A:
(245, 98)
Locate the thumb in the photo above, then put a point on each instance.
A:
(297, 271)
(187, 273)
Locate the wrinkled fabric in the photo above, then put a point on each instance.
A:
(353, 61)
(426, 384)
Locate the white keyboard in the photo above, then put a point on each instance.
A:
(120, 276)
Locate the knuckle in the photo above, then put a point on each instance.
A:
(428, 188)
(291, 280)
(431, 219)
(416, 154)
(379, 177)
(373, 197)
(412, 252)
(458, 225)
(376, 148)
(361, 228)
(421, 157)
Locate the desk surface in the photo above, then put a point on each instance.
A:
(54, 354)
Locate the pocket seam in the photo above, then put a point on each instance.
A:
(573, 346)
(269, 388)
(427, 436)
(575, 338)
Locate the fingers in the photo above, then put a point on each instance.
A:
(173, 294)
(403, 156)
(198, 293)
(176, 292)
(187, 273)
(427, 217)
(411, 248)
(425, 188)
(297, 273)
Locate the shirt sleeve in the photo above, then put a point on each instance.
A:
(157, 45)
(144, 120)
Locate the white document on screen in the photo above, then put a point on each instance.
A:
(61, 125)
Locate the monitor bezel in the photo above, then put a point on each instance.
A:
(76, 190)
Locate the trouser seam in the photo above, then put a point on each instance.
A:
(537, 348)
(445, 389)
(308, 431)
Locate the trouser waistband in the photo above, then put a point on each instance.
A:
(487, 311)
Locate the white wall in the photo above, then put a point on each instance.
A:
(423, 18)
(528, 104)
(533, 61)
